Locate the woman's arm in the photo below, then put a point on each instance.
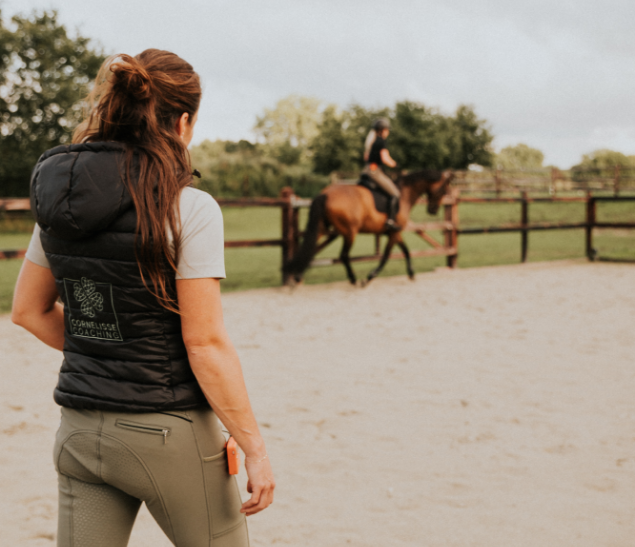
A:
(216, 366)
(386, 158)
(35, 305)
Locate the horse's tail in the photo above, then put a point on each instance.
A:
(302, 259)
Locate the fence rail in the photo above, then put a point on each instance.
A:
(553, 181)
(290, 205)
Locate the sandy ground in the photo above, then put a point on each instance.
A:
(489, 407)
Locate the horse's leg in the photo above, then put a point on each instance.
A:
(392, 238)
(406, 253)
(345, 257)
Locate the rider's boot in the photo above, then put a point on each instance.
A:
(391, 225)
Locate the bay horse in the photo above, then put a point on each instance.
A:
(350, 210)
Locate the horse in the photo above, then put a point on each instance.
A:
(351, 210)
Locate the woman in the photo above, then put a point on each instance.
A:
(376, 155)
(135, 255)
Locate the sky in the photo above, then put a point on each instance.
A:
(558, 76)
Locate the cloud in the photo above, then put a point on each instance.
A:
(558, 76)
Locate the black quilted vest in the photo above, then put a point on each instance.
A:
(122, 350)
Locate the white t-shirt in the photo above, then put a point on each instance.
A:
(202, 239)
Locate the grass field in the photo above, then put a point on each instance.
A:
(260, 267)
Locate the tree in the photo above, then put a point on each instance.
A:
(422, 137)
(605, 159)
(418, 137)
(330, 147)
(339, 144)
(601, 163)
(521, 156)
(44, 75)
(471, 139)
(289, 128)
(245, 169)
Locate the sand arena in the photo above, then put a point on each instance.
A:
(490, 407)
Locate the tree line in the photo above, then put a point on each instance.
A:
(299, 143)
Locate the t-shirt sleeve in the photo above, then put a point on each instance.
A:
(202, 252)
(375, 151)
(35, 252)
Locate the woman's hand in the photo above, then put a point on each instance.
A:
(260, 485)
(216, 366)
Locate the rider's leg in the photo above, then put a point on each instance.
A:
(385, 182)
(392, 213)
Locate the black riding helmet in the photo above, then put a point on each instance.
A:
(381, 123)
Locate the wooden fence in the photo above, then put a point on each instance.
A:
(13, 206)
(550, 181)
(524, 226)
(290, 206)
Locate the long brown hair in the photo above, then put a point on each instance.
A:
(138, 101)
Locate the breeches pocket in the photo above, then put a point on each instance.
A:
(150, 429)
(223, 496)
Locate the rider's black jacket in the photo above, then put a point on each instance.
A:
(122, 350)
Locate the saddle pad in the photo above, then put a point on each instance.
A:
(382, 199)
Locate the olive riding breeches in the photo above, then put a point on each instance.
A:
(384, 181)
(108, 463)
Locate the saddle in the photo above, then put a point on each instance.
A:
(382, 199)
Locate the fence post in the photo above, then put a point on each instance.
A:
(590, 223)
(554, 177)
(524, 221)
(451, 233)
(497, 181)
(288, 235)
(616, 180)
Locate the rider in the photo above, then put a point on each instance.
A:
(376, 155)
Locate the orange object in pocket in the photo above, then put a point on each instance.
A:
(233, 458)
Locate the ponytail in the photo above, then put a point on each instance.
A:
(370, 139)
(137, 101)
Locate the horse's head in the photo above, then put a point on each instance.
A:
(437, 189)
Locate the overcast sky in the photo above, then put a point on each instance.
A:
(558, 76)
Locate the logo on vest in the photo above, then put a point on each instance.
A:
(91, 310)
(92, 301)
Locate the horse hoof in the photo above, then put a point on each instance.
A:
(411, 277)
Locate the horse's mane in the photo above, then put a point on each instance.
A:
(427, 175)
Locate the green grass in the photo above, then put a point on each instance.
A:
(11, 242)
(260, 267)
(8, 274)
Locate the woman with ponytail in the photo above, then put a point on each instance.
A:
(123, 276)
(376, 155)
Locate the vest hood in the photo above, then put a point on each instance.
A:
(78, 190)
(123, 351)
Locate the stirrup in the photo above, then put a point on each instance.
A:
(391, 226)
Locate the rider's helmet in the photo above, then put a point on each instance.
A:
(381, 123)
